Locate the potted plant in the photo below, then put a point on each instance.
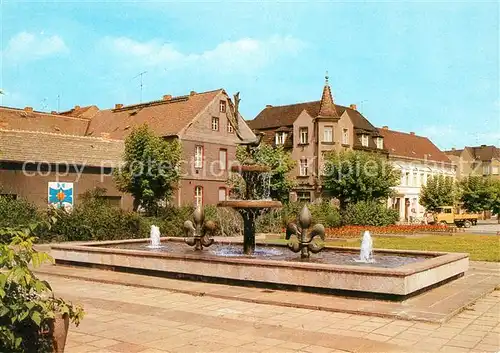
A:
(32, 319)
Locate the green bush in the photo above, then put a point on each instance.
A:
(369, 213)
(15, 212)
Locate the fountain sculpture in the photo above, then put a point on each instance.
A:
(154, 238)
(200, 233)
(303, 242)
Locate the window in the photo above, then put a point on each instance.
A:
(198, 196)
(114, 201)
(198, 156)
(380, 143)
(422, 179)
(364, 140)
(494, 170)
(223, 159)
(222, 106)
(230, 128)
(303, 196)
(486, 169)
(407, 178)
(222, 194)
(9, 196)
(303, 167)
(415, 176)
(328, 134)
(280, 138)
(304, 135)
(215, 123)
(345, 136)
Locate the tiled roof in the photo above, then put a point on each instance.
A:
(165, 117)
(401, 144)
(22, 119)
(20, 146)
(81, 112)
(482, 153)
(326, 106)
(285, 115)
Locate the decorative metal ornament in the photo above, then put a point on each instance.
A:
(299, 240)
(200, 233)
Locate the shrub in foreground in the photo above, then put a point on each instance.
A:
(369, 213)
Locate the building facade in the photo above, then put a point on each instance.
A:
(418, 159)
(310, 131)
(476, 161)
(207, 124)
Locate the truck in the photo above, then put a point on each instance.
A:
(447, 215)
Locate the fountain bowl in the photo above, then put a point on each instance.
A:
(250, 204)
(396, 283)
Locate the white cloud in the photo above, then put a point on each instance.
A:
(26, 46)
(242, 54)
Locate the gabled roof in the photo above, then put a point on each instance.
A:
(285, 115)
(81, 112)
(166, 117)
(30, 120)
(483, 153)
(402, 144)
(35, 146)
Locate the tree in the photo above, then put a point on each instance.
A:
(150, 171)
(477, 193)
(439, 191)
(278, 160)
(355, 176)
(495, 202)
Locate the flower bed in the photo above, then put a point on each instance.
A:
(356, 231)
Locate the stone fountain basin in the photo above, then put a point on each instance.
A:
(393, 283)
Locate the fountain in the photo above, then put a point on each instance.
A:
(154, 238)
(255, 198)
(366, 249)
(396, 273)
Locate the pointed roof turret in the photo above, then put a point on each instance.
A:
(326, 107)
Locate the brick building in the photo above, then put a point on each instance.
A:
(205, 124)
(476, 161)
(312, 129)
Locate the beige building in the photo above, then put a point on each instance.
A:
(205, 124)
(417, 158)
(479, 161)
(312, 129)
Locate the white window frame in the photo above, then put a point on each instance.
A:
(222, 106)
(223, 161)
(215, 123)
(364, 140)
(486, 169)
(380, 143)
(222, 189)
(303, 135)
(230, 128)
(198, 195)
(305, 199)
(328, 134)
(303, 167)
(494, 169)
(345, 136)
(280, 138)
(198, 156)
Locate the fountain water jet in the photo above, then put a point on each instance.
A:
(154, 238)
(366, 249)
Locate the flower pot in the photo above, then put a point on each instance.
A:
(59, 332)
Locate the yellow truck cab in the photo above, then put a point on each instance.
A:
(448, 215)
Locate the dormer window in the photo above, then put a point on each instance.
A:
(304, 135)
(222, 106)
(280, 138)
(380, 143)
(364, 140)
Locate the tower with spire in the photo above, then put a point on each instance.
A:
(326, 106)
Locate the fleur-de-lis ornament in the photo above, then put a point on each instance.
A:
(200, 233)
(298, 238)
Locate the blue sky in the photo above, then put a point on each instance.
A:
(432, 68)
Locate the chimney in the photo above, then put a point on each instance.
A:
(353, 107)
(167, 97)
(118, 105)
(28, 109)
(269, 106)
(412, 133)
(385, 127)
(77, 107)
(192, 93)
